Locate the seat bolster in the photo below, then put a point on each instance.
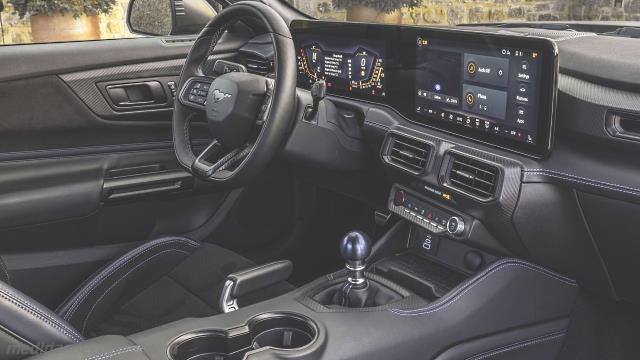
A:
(119, 281)
(31, 323)
(107, 347)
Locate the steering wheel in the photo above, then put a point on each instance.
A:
(248, 115)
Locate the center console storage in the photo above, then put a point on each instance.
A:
(417, 298)
(283, 331)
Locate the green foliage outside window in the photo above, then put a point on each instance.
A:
(75, 8)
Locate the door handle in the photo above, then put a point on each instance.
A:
(144, 93)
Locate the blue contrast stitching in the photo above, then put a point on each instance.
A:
(118, 265)
(114, 353)
(84, 323)
(446, 302)
(583, 180)
(518, 345)
(37, 313)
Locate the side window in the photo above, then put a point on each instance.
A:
(47, 21)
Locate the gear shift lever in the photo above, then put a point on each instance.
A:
(355, 247)
(358, 291)
(318, 92)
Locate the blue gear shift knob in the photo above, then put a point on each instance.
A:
(355, 246)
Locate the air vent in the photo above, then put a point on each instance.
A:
(259, 66)
(408, 153)
(472, 177)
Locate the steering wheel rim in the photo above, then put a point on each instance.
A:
(239, 165)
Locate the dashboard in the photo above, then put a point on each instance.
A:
(555, 206)
(492, 88)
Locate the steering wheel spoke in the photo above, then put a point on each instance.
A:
(195, 91)
(225, 160)
(265, 108)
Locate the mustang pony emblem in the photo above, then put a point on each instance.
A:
(219, 95)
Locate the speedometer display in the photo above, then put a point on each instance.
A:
(353, 67)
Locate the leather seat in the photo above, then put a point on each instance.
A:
(158, 282)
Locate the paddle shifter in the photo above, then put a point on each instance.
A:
(355, 247)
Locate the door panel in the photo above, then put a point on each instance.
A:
(81, 179)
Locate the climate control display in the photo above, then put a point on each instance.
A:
(419, 211)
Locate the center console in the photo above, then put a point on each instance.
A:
(416, 305)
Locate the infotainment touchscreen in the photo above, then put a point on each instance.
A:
(493, 90)
(349, 66)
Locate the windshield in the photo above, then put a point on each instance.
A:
(456, 12)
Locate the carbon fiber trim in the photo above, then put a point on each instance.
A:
(83, 83)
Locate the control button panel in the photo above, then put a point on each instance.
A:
(196, 91)
(173, 88)
(420, 212)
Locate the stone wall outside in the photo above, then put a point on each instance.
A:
(18, 31)
(447, 12)
(451, 12)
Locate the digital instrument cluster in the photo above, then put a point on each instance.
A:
(351, 67)
(493, 88)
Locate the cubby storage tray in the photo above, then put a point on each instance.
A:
(282, 331)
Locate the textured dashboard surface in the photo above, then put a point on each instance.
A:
(599, 94)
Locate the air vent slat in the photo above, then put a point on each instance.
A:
(474, 168)
(259, 66)
(406, 163)
(474, 177)
(408, 153)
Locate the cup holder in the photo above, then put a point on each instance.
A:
(282, 331)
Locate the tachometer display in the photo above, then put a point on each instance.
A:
(352, 67)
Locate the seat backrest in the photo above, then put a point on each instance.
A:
(28, 328)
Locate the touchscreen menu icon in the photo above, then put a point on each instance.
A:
(486, 70)
(485, 101)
